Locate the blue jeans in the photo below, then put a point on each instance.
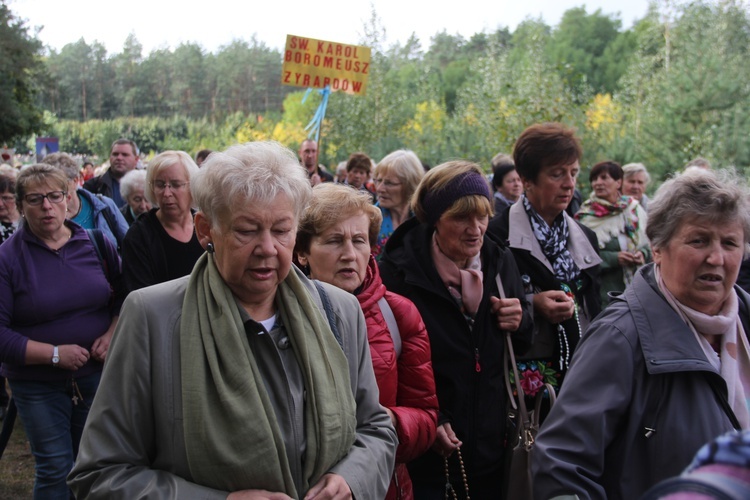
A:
(53, 426)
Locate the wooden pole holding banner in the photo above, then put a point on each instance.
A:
(327, 66)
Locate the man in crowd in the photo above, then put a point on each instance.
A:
(123, 158)
(308, 154)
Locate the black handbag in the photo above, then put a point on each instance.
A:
(522, 428)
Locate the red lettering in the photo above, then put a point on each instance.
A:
(364, 70)
(356, 67)
(335, 84)
(338, 64)
(330, 49)
(357, 86)
(307, 58)
(348, 51)
(356, 56)
(316, 82)
(338, 49)
(302, 43)
(326, 81)
(288, 56)
(321, 46)
(287, 75)
(298, 57)
(306, 81)
(348, 65)
(328, 62)
(316, 60)
(345, 85)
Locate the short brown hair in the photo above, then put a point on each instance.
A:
(360, 161)
(330, 204)
(543, 145)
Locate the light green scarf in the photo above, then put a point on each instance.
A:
(232, 439)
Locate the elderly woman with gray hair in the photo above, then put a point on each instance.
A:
(89, 210)
(162, 244)
(133, 191)
(635, 180)
(666, 367)
(244, 379)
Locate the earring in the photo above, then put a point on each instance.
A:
(210, 247)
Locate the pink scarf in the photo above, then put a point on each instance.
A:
(464, 285)
(734, 360)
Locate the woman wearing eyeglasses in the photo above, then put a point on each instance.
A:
(53, 342)
(161, 245)
(396, 178)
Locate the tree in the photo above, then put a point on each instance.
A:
(21, 68)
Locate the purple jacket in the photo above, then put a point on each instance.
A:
(58, 297)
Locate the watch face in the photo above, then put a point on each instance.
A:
(55, 359)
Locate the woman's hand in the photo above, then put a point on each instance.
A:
(331, 486)
(101, 345)
(257, 495)
(554, 305)
(508, 313)
(72, 356)
(446, 441)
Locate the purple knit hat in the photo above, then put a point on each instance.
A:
(436, 203)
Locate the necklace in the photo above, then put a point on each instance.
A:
(448, 486)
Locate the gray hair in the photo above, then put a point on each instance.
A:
(715, 196)
(249, 173)
(631, 169)
(135, 180)
(165, 160)
(64, 162)
(404, 164)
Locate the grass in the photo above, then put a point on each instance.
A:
(17, 467)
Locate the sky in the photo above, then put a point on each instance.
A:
(214, 23)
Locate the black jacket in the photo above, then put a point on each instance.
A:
(144, 259)
(467, 361)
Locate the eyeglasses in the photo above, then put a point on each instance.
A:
(8, 199)
(388, 184)
(173, 185)
(38, 199)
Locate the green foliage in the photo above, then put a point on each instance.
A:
(21, 70)
(672, 87)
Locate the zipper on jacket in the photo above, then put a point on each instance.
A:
(477, 366)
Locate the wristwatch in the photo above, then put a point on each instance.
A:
(55, 356)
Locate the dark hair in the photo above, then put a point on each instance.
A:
(7, 184)
(502, 165)
(120, 142)
(202, 154)
(360, 161)
(606, 167)
(543, 145)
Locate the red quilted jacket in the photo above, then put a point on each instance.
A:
(407, 385)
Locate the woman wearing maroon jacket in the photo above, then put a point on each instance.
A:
(333, 245)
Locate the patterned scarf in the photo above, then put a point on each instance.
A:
(608, 220)
(554, 242)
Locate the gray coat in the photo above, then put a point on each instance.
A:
(133, 444)
(638, 402)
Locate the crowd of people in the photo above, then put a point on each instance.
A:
(247, 325)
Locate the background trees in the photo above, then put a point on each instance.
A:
(672, 87)
(20, 70)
